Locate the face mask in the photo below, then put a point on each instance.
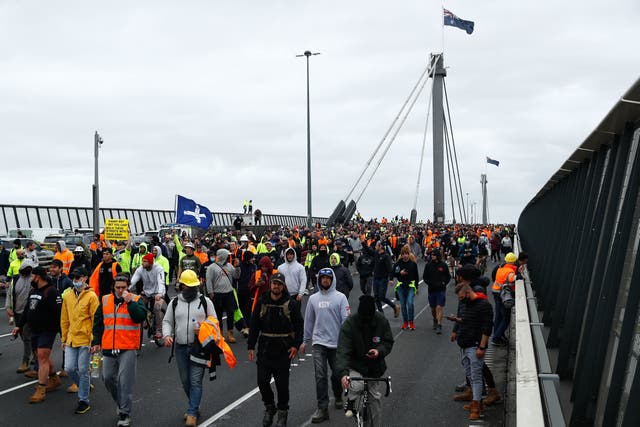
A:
(78, 285)
(212, 259)
(190, 293)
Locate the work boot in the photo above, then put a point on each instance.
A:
(492, 397)
(396, 310)
(63, 374)
(24, 367)
(53, 383)
(31, 374)
(465, 396)
(319, 416)
(474, 410)
(191, 421)
(38, 395)
(405, 325)
(230, 338)
(281, 420)
(269, 413)
(73, 388)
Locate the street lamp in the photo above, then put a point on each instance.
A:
(468, 215)
(307, 54)
(97, 143)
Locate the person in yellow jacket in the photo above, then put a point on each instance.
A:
(79, 305)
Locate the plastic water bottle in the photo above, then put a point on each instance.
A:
(96, 363)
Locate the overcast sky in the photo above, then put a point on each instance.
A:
(207, 99)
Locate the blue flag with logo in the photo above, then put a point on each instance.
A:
(188, 212)
(493, 162)
(453, 21)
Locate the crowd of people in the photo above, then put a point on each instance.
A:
(97, 299)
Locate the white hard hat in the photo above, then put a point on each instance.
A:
(244, 238)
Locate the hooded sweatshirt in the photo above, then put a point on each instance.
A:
(344, 281)
(323, 318)
(220, 274)
(65, 256)
(18, 293)
(152, 280)
(294, 274)
(163, 262)
(187, 316)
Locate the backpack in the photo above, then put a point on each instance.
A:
(174, 304)
(506, 296)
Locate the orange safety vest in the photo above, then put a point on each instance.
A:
(120, 332)
(210, 331)
(393, 240)
(94, 280)
(66, 258)
(505, 274)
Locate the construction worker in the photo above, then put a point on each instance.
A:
(505, 275)
(64, 255)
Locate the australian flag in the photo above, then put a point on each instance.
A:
(188, 212)
(493, 162)
(453, 21)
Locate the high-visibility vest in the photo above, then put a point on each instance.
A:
(258, 273)
(210, 332)
(393, 241)
(505, 274)
(66, 258)
(120, 332)
(94, 280)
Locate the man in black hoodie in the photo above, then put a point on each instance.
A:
(42, 314)
(319, 262)
(277, 327)
(365, 265)
(436, 275)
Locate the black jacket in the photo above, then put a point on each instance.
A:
(344, 281)
(366, 263)
(42, 311)
(436, 275)
(477, 320)
(62, 282)
(383, 266)
(357, 337)
(273, 318)
(319, 262)
(412, 272)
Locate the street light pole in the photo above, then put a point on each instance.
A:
(307, 54)
(97, 142)
(468, 209)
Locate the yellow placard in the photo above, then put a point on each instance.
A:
(116, 229)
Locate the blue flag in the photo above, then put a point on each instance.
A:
(188, 212)
(453, 21)
(493, 162)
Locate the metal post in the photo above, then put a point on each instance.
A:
(97, 142)
(483, 181)
(438, 140)
(468, 215)
(307, 54)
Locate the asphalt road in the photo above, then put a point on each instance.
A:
(424, 368)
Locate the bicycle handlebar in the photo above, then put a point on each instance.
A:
(386, 380)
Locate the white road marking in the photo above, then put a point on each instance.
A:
(231, 407)
(9, 390)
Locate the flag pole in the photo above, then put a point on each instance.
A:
(175, 210)
(442, 22)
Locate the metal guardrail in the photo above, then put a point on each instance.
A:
(582, 231)
(140, 220)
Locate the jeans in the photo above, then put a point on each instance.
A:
(365, 285)
(119, 372)
(77, 361)
(279, 369)
(473, 370)
(356, 388)
(191, 378)
(406, 294)
(502, 317)
(380, 292)
(321, 356)
(225, 302)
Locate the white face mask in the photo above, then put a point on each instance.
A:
(78, 285)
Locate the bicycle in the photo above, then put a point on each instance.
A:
(149, 323)
(361, 407)
(482, 264)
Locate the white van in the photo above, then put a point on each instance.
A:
(37, 234)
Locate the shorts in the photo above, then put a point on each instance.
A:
(437, 298)
(42, 340)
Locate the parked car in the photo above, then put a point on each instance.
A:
(45, 256)
(49, 242)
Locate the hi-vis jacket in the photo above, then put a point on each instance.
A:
(206, 350)
(505, 275)
(117, 325)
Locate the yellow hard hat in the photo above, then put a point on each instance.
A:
(510, 257)
(189, 278)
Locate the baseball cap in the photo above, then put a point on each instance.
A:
(278, 277)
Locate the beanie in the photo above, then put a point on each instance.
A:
(148, 257)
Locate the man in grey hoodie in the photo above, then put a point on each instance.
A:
(294, 274)
(325, 313)
(219, 280)
(15, 303)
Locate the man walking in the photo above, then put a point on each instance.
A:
(436, 275)
(15, 303)
(382, 275)
(294, 274)
(471, 331)
(79, 306)
(277, 327)
(117, 331)
(325, 313)
(365, 340)
(220, 277)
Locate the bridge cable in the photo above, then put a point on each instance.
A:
(424, 143)
(453, 171)
(366, 166)
(453, 141)
(395, 134)
(449, 167)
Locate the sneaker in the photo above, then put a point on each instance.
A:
(82, 407)
(320, 415)
(404, 325)
(245, 332)
(439, 330)
(461, 387)
(349, 408)
(339, 404)
(123, 420)
(435, 324)
(412, 326)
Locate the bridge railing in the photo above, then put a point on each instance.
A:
(140, 220)
(582, 231)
